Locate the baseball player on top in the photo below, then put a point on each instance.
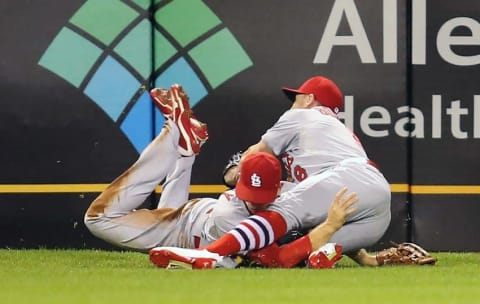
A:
(321, 156)
(113, 216)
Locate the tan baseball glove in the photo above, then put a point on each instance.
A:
(405, 254)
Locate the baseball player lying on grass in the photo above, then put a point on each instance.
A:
(113, 215)
(321, 156)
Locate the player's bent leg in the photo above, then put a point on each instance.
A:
(175, 188)
(362, 233)
(139, 230)
(132, 187)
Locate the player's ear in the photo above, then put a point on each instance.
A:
(310, 101)
(280, 188)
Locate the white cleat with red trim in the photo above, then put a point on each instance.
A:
(181, 258)
(174, 104)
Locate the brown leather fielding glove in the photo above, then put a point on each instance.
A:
(405, 254)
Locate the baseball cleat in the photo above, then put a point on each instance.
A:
(163, 101)
(325, 257)
(174, 105)
(193, 134)
(180, 258)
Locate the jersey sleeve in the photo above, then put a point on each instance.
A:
(283, 132)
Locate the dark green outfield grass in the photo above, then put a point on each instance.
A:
(87, 276)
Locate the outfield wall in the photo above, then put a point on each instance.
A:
(76, 113)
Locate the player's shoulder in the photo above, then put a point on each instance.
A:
(228, 200)
(295, 112)
(318, 112)
(229, 209)
(293, 116)
(228, 196)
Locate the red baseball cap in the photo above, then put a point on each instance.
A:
(260, 176)
(324, 90)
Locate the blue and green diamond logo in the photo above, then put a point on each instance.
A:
(114, 50)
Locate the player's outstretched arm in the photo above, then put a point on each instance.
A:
(261, 146)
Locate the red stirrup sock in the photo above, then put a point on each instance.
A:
(255, 232)
(295, 252)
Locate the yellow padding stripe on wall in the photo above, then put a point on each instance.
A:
(446, 189)
(82, 188)
(197, 189)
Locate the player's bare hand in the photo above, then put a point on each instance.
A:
(341, 207)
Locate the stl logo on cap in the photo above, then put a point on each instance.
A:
(260, 176)
(256, 180)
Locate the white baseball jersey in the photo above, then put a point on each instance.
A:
(310, 141)
(321, 156)
(228, 212)
(315, 144)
